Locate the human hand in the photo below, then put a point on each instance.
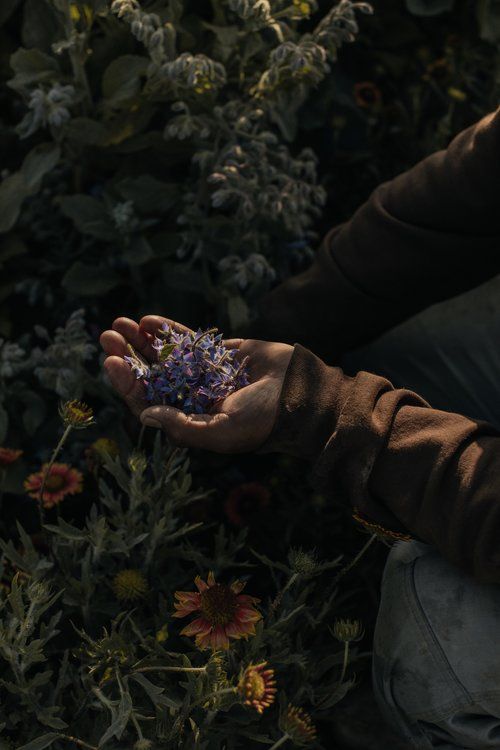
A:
(240, 423)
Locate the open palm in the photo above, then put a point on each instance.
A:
(239, 423)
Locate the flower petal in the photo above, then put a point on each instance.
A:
(198, 627)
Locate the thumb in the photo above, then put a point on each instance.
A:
(192, 430)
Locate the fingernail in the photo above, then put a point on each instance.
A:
(150, 422)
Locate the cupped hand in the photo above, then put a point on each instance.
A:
(240, 423)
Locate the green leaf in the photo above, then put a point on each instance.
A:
(84, 280)
(67, 531)
(121, 79)
(41, 742)
(238, 312)
(138, 252)
(117, 727)
(155, 692)
(35, 410)
(18, 186)
(85, 130)
(488, 16)
(31, 66)
(41, 25)
(88, 215)
(148, 194)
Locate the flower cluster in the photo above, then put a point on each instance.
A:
(50, 107)
(193, 371)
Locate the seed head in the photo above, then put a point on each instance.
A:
(129, 585)
(257, 686)
(348, 630)
(298, 725)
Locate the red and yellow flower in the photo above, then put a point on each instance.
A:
(62, 480)
(257, 686)
(298, 725)
(246, 502)
(224, 612)
(8, 456)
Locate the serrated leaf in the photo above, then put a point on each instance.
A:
(118, 725)
(45, 740)
(155, 693)
(67, 531)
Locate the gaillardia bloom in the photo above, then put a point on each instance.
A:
(246, 502)
(62, 480)
(76, 414)
(224, 612)
(129, 585)
(8, 456)
(298, 725)
(257, 686)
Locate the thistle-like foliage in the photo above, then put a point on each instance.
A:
(194, 370)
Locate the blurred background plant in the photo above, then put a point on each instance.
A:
(182, 158)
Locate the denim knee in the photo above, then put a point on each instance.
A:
(436, 661)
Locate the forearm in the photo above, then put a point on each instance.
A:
(430, 233)
(405, 466)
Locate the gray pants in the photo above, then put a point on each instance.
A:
(436, 656)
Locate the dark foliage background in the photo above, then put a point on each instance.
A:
(105, 212)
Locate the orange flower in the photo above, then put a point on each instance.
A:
(8, 456)
(257, 686)
(224, 612)
(61, 481)
(298, 725)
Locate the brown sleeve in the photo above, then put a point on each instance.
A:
(428, 234)
(399, 463)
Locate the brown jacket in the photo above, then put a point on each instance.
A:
(428, 234)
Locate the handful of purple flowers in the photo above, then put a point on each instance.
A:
(193, 370)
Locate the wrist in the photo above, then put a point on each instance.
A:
(309, 405)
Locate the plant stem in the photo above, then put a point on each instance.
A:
(78, 742)
(344, 665)
(215, 694)
(281, 741)
(355, 560)
(47, 472)
(77, 53)
(170, 669)
(281, 593)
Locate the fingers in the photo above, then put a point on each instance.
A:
(150, 323)
(125, 383)
(139, 339)
(208, 431)
(113, 343)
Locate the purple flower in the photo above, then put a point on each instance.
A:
(192, 372)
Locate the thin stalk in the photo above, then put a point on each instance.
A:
(346, 659)
(77, 53)
(283, 591)
(281, 741)
(78, 742)
(355, 560)
(136, 725)
(47, 473)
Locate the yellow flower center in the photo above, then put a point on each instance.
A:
(218, 604)
(54, 483)
(255, 686)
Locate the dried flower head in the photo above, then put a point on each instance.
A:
(193, 371)
(257, 686)
(76, 414)
(61, 480)
(298, 725)
(224, 612)
(303, 563)
(348, 630)
(8, 456)
(143, 744)
(129, 585)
